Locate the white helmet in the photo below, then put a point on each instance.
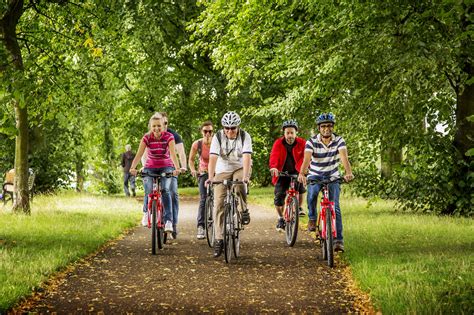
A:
(230, 119)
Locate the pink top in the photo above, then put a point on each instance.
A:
(204, 157)
(158, 152)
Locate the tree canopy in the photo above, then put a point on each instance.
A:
(80, 80)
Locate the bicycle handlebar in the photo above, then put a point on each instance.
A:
(145, 174)
(285, 174)
(326, 181)
(228, 182)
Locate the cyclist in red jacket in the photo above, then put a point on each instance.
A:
(287, 155)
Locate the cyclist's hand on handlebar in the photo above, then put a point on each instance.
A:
(133, 171)
(302, 179)
(194, 173)
(183, 170)
(348, 177)
(246, 179)
(208, 182)
(176, 172)
(274, 171)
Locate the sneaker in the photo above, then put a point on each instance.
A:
(339, 247)
(218, 247)
(168, 226)
(200, 233)
(301, 212)
(245, 217)
(145, 219)
(280, 225)
(312, 225)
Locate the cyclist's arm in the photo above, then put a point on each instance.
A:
(304, 167)
(212, 166)
(182, 155)
(274, 159)
(347, 165)
(138, 157)
(172, 148)
(191, 162)
(247, 161)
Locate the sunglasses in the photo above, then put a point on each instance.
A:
(207, 131)
(326, 126)
(230, 128)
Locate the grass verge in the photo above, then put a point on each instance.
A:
(60, 230)
(408, 263)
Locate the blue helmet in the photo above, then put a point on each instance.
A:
(290, 123)
(326, 118)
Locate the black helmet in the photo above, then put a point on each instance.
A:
(326, 118)
(290, 123)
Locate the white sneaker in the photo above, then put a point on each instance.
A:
(145, 219)
(168, 226)
(200, 234)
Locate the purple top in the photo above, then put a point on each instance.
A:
(158, 153)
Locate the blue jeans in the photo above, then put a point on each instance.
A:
(202, 201)
(174, 200)
(126, 178)
(334, 191)
(165, 183)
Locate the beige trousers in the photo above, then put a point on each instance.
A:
(220, 193)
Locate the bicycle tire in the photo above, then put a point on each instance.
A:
(329, 238)
(227, 233)
(153, 228)
(322, 243)
(291, 227)
(161, 232)
(209, 223)
(236, 231)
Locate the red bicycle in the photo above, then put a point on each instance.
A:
(291, 211)
(155, 212)
(326, 224)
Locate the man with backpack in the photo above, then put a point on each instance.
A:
(230, 158)
(201, 147)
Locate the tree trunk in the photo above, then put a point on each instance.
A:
(8, 26)
(79, 173)
(464, 137)
(391, 157)
(22, 201)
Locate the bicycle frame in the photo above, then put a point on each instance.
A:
(326, 205)
(155, 195)
(290, 193)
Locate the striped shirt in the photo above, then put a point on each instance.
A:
(158, 152)
(325, 158)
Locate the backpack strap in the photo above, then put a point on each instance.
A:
(199, 148)
(242, 136)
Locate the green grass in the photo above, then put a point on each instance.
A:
(60, 230)
(408, 263)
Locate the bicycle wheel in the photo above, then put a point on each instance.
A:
(291, 226)
(329, 239)
(209, 223)
(322, 243)
(228, 231)
(236, 231)
(160, 231)
(153, 228)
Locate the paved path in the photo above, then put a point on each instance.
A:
(269, 277)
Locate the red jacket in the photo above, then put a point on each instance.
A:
(278, 155)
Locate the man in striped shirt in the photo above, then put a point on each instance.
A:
(322, 155)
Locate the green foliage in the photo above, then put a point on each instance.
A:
(62, 229)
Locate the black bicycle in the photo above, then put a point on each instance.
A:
(209, 222)
(232, 220)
